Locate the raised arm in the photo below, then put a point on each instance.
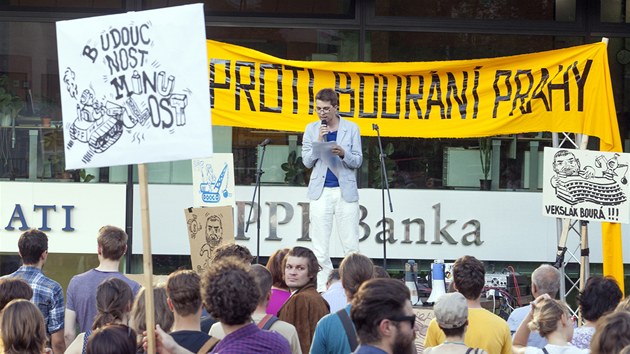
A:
(519, 344)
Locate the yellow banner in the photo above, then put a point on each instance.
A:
(565, 90)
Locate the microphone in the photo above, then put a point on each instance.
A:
(265, 142)
(325, 124)
(375, 127)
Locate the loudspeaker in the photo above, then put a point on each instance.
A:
(438, 287)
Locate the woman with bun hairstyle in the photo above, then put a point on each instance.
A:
(113, 304)
(552, 320)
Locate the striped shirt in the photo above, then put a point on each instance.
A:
(251, 339)
(47, 295)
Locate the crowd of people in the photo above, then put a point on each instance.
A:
(237, 307)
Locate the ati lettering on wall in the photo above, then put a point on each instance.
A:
(19, 219)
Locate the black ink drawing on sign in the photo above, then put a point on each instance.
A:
(136, 98)
(599, 184)
(213, 233)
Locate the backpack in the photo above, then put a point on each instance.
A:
(267, 322)
(208, 345)
(351, 333)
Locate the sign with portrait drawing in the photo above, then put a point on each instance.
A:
(213, 181)
(132, 89)
(586, 185)
(207, 229)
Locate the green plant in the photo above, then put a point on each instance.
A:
(53, 146)
(10, 104)
(485, 155)
(84, 176)
(295, 171)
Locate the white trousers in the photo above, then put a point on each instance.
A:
(346, 215)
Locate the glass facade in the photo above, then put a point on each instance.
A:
(31, 143)
(537, 10)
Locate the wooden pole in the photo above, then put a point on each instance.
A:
(147, 258)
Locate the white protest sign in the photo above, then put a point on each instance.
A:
(134, 87)
(213, 181)
(586, 185)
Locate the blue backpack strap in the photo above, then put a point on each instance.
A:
(267, 322)
(86, 336)
(348, 327)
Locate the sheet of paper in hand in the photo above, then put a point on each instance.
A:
(213, 181)
(134, 87)
(208, 228)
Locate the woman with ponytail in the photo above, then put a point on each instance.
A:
(552, 320)
(113, 304)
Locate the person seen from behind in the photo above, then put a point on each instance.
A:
(552, 319)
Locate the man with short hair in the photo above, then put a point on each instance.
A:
(332, 188)
(230, 295)
(485, 329)
(451, 315)
(305, 306)
(331, 334)
(183, 291)
(334, 295)
(264, 280)
(545, 280)
(384, 318)
(47, 293)
(81, 294)
(232, 250)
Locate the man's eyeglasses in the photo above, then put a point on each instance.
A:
(323, 109)
(411, 319)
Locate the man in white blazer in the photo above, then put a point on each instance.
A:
(332, 190)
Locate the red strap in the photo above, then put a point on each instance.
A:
(264, 321)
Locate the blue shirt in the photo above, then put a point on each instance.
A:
(331, 179)
(368, 349)
(336, 297)
(330, 336)
(81, 294)
(47, 295)
(516, 317)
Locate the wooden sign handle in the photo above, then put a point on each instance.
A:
(147, 259)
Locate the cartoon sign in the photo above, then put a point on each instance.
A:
(207, 229)
(132, 91)
(586, 185)
(213, 181)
